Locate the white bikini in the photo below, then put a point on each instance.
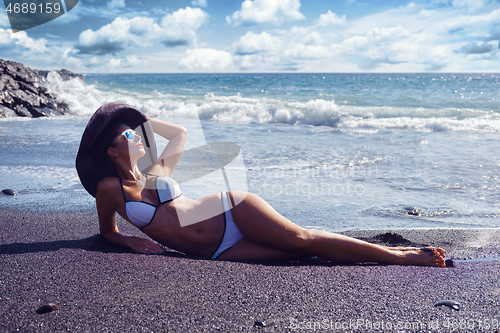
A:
(232, 234)
(142, 213)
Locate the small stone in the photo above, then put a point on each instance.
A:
(9, 191)
(47, 308)
(449, 263)
(259, 323)
(449, 303)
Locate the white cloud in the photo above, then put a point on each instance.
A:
(116, 4)
(113, 37)
(22, 39)
(253, 43)
(126, 62)
(278, 52)
(183, 23)
(4, 19)
(176, 29)
(201, 3)
(22, 42)
(5, 38)
(330, 19)
(408, 38)
(206, 59)
(266, 11)
(471, 24)
(36, 53)
(471, 5)
(376, 38)
(412, 37)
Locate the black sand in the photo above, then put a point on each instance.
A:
(59, 258)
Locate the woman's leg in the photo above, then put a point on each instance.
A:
(247, 250)
(262, 225)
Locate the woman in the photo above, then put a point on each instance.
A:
(227, 226)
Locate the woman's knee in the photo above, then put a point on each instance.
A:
(301, 241)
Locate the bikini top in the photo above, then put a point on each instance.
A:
(141, 213)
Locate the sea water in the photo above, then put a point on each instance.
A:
(328, 151)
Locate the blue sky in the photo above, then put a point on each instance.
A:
(173, 36)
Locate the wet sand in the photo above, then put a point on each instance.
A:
(57, 257)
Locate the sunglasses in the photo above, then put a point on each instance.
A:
(128, 134)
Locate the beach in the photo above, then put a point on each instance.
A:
(346, 153)
(378, 120)
(58, 257)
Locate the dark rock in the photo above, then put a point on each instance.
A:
(22, 91)
(42, 112)
(412, 211)
(449, 303)
(259, 323)
(22, 111)
(47, 308)
(5, 98)
(449, 263)
(8, 83)
(393, 239)
(28, 87)
(20, 96)
(9, 191)
(6, 112)
(63, 73)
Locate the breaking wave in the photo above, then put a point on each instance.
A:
(84, 98)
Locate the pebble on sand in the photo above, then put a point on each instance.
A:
(9, 191)
(47, 308)
(451, 304)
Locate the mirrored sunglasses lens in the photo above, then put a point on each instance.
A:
(129, 135)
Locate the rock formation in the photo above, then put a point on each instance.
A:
(23, 92)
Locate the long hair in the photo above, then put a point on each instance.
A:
(107, 168)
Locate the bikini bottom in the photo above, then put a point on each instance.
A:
(232, 234)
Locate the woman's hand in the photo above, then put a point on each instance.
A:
(142, 245)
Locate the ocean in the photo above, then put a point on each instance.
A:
(328, 151)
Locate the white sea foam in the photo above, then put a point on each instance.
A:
(26, 178)
(83, 99)
(328, 113)
(80, 97)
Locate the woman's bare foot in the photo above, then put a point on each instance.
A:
(427, 256)
(400, 248)
(406, 248)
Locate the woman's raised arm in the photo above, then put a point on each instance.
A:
(176, 136)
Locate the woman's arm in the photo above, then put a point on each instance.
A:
(176, 136)
(106, 207)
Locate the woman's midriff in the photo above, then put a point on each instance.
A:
(194, 227)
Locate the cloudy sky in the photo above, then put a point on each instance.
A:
(263, 36)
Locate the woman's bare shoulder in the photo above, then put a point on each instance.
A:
(108, 185)
(109, 194)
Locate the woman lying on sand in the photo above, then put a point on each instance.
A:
(230, 225)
